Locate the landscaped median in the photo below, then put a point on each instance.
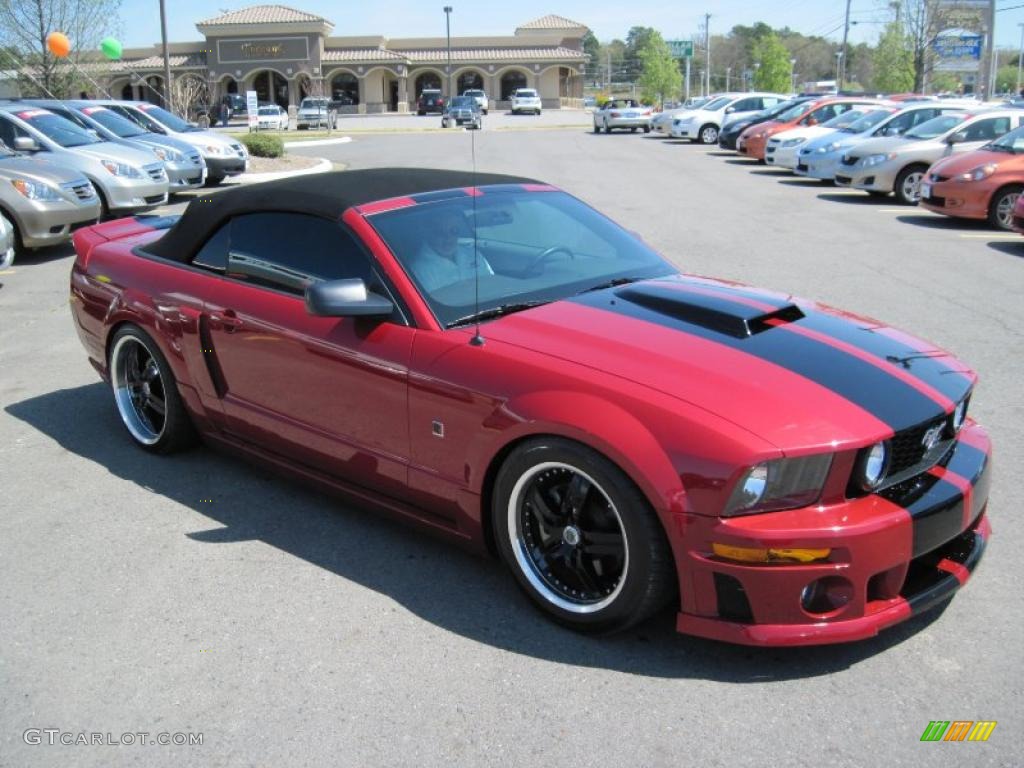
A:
(269, 159)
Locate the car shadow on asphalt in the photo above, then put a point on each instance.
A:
(747, 161)
(814, 183)
(856, 197)
(437, 581)
(1009, 247)
(937, 221)
(772, 172)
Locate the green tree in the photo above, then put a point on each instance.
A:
(1006, 80)
(660, 76)
(894, 60)
(636, 40)
(773, 58)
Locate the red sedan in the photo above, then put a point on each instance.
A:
(490, 358)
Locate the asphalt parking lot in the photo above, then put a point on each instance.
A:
(196, 594)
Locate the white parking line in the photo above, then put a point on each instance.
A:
(994, 236)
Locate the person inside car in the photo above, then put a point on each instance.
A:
(446, 255)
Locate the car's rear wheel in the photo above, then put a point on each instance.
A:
(1000, 210)
(579, 537)
(908, 184)
(146, 393)
(709, 134)
(214, 181)
(647, 129)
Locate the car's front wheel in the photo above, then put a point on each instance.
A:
(1000, 210)
(908, 184)
(709, 134)
(146, 393)
(579, 537)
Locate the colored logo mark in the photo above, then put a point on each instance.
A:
(958, 730)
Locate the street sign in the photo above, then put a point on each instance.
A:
(681, 49)
(252, 107)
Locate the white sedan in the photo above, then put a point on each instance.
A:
(272, 118)
(783, 149)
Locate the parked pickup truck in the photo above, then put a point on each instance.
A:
(316, 113)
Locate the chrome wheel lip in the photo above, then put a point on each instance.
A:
(525, 563)
(126, 406)
(1004, 209)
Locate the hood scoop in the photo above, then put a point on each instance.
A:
(715, 313)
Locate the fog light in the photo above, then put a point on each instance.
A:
(826, 595)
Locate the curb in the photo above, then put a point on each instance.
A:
(316, 142)
(254, 178)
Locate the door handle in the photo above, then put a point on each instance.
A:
(226, 319)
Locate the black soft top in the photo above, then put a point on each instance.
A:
(327, 195)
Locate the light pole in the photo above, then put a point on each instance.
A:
(728, 74)
(792, 75)
(1020, 56)
(839, 59)
(757, 68)
(448, 34)
(167, 60)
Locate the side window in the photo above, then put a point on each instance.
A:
(769, 101)
(986, 130)
(214, 254)
(746, 105)
(286, 251)
(9, 132)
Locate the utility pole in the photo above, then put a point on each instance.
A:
(990, 51)
(1020, 56)
(728, 73)
(841, 76)
(608, 82)
(687, 79)
(167, 61)
(792, 75)
(707, 51)
(448, 33)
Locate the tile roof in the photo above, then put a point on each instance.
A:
(361, 54)
(551, 21)
(150, 62)
(494, 54)
(263, 14)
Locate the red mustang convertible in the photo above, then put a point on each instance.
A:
(492, 359)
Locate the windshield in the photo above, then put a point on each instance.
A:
(718, 103)
(526, 94)
(463, 101)
(867, 121)
(117, 125)
(268, 111)
(532, 247)
(1009, 142)
(171, 121)
(799, 110)
(313, 103)
(57, 129)
(935, 127)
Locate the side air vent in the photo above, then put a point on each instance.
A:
(717, 314)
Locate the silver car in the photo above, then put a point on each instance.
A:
(6, 242)
(41, 203)
(898, 164)
(127, 179)
(622, 114)
(224, 155)
(183, 163)
(315, 113)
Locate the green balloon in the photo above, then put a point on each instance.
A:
(111, 48)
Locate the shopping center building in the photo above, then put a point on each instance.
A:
(286, 54)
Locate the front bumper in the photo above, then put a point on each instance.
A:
(134, 194)
(526, 107)
(893, 555)
(753, 147)
(823, 166)
(218, 167)
(783, 157)
(967, 200)
(875, 178)
(185, 175)
(45, 224)
(629, 122)
(688, 131)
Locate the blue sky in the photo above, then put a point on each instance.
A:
(140, 21)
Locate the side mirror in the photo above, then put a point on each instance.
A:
(957, 138)
(811, 121)
(730, 110)
(345, 298)
(25, 144)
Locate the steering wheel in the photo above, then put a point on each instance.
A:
(546, 254)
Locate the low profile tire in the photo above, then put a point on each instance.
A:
(579, 537)
(908, 184)
(708, 134)
(597, 128)
(1000, 210)
(146, 393)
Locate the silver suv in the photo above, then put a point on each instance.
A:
(224, 155)
(316, 113)
(41, 203)
(184, 165)
(127, 179)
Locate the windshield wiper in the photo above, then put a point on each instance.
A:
(614, 283)
(499, 311)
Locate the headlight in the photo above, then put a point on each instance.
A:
(871, 160)
(167, 154)
(979, 173)
(122, 169)
(37, 190)
(829, 147)
(779, 484)
(872, 465)
(793, 142)
(214, 149)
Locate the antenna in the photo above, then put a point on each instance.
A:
(477, 340)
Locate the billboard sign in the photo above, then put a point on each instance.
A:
(957, 52)
(681, 49)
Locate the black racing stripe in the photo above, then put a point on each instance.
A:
(933, 595)
(937, 515)
(738, 291)
(966, 461)
(933, 371)
(887, 398)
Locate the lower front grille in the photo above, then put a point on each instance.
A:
(801, 166)
(850, 160)
(843, 180)
(82, 190)
(152, 199)
(938, 202)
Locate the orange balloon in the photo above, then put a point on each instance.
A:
(58, 44)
